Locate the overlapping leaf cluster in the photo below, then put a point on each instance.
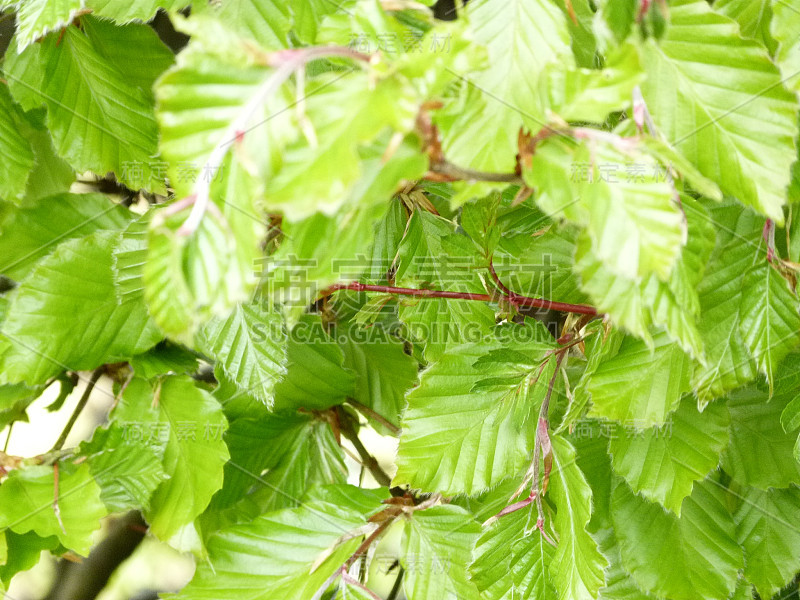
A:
(629, 156)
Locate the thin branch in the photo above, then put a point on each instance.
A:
(443, 170)
(369, 461)
(368, 412)
(86, 579)
(347, 578)
(422, 293)
(396, 587)
(499, 283)
(362, 549)
(8, 436)
(98, 372)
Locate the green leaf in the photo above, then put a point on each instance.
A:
(637, 304)
(581, 28)
(539, 264)
(14, 400)
(599, 345)
(785, 21)
(770, 321)
(198, 100)
(767, 529)
(619, 583)
(127, 471)
(512, 560)
(27, 499)
(190, 279)
(308, 15)
(75, 280)
(302, 453)
(316, 376)
(663, 464)
(130, 254)
(50, 173)
(459, 439)
(346, 113)
(35, 18)
(272, 556)
(591, 94)
(741, 121)
(136, 52)
(701, 545)
(577, 567)
(753, 16)
(729, 364)
(383, 371)
(321, 250)
(35, 230)
(618, 16)
(760, 452)
(790, 417)
(164, 359)
(531, 562)
(24, 551)
(250, 347)
(437, 544)
(125, 11)
(264, 21)
(184, 425)
(640, 386)
(522, 38)
(100, 116)
(17, 150)
(623, 200)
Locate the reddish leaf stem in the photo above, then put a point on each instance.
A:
(513, 297)
(443, 170)
(541, 439)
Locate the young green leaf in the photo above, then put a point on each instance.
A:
(662, 464)
(127, 470)
(35, 230)
(437, 544)
(522, 38)
(65, 314)
(90, 88)
(760, 453)
(767, 529)
(704, 557)
(17, 150)
(184, 425)
(273, 555)
(470, 422)
(770, 319)
(742, 126)
(28, 497)
(250, 347)
(37, 17)
(640, 386)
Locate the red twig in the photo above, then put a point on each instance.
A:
(513, 297)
